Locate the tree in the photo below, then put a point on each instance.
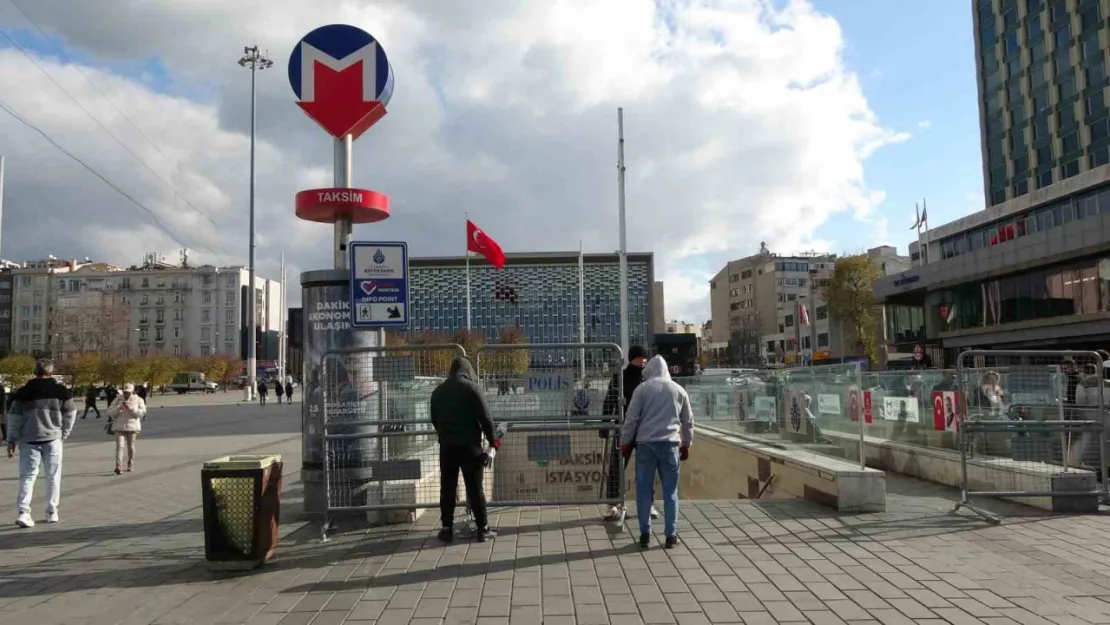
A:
(507, 361)
(83, 369)
(427, 362)
(235, 368)
(121, 370)
(91, 322)
(850, 296)
(161, 369)
(17, 369)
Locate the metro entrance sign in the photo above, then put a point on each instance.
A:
(342, 79)
(379, 284)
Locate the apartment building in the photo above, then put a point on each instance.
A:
(63, 308)
(755, 304)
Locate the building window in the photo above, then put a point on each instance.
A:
(206, 297)
(143, 301)
(1070, 168)
(177, 333)
(207, 280)
(205, 316)
(176, 350)
(159, 335)
(146, 282)
(205, 334)
(229, 298)
(1044, 179)
(229, 316)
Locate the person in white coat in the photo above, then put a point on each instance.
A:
(126, 414)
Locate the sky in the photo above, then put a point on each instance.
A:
(809, 125)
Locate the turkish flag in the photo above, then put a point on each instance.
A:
(479, 242)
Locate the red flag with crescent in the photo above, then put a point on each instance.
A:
(479, 242)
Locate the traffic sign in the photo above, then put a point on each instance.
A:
(379, 284)
(342, 79)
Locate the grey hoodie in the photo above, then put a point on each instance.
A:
(659, 411)
(1090, 387)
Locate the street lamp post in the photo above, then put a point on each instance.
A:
(255, 61)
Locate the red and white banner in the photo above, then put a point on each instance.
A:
(947, 411)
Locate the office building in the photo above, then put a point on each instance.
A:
(67, 307)
(537, 292)
(1042, 78)
(1030, 270)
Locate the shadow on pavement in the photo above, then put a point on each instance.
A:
(12, 537)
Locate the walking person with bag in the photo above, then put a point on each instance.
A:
(90, 401)
(40, 417)
(125, 421)
(660, 423)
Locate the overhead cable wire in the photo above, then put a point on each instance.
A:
(4, 106)
(106, 129)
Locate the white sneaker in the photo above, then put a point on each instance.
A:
(654, 513)
(52, 517)
(24, 520)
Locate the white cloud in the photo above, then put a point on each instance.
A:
(924, 124)
(742, 124)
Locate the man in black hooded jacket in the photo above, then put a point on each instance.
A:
(633, 374)
(462, 419)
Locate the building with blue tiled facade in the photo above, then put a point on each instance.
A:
(537, 292)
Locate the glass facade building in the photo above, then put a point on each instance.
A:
(536, 292)
(1042, 84)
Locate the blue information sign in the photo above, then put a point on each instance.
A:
(379, 284)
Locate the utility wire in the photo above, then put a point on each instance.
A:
(117, 139)
(154, 217)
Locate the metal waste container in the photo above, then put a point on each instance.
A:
(242, 505)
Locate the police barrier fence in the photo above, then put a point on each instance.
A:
(380, 451)
(560, 405)
(1029, 424)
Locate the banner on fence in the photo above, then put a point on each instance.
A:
(947, 411)
(900, 409)
(797, 416)
(828, 403)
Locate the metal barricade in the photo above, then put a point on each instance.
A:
(1030, 424)
(380, 450)
(559, 407)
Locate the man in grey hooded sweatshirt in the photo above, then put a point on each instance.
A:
(660, 423)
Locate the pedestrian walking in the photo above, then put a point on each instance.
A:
(262, 391)
(90, 401)
(615, 405)
(41, 416)
(461, 420)
(289, 389)
(661, 425)
(111, 393)
(126, 416)
(279, 389)
(142, 392)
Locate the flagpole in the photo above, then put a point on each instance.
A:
(623, 235)
(467, 251)
(925, 222)
(581, 312)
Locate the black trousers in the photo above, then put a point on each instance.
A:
(467, 459)
(613, 480)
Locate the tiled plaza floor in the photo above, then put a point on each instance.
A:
(129, 551)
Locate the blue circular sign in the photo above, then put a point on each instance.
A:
(338, 47)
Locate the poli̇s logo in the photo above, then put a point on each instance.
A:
(342, 79)
(379, 258)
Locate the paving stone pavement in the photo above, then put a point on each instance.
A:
(129, 551)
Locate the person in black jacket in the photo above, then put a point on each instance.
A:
(615, 405)
(461, 420)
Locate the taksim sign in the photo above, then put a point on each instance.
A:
(342, 79)
(361, 206)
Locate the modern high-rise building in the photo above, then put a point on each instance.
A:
(1031, 269)
(537, 292)
(1042, 77)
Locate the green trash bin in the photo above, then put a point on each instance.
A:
(242, 507)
